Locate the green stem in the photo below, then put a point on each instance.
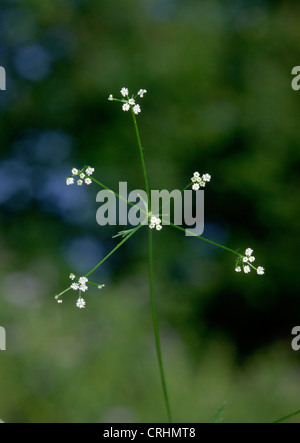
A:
(287, 417)
(151, 282)
(114, 250)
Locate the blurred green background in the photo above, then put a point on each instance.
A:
(219, 100)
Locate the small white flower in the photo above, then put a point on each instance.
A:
(202, 184)
(251, 259)
(196, 174)
(82, 175)
(260, 270)
(131, 102)
(79, 182)
(83, 288)
(124, 92)
(75, 286)
(89, 171)
(111, 97)
(245, 259)
(247, 269)
(137, 109)
(238, 269)
(248, 252)
(100, 286)
(195, 187)
(158, 227)
(72, 276)
(142, 92)
(88, 181)
(83, 280)
(126, 107)
(206, 177)
(80, 303)
(59, 301)
(153, 220)
(70, 181)
(152, 225)
(75, 171)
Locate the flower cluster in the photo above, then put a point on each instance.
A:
(83, 176)
(245, 262)
(129, 103)
(155, 222)
(200, 181)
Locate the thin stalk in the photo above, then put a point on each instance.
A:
(280, 420)
(151, 282)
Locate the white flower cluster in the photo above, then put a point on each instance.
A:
(84, 176)
(129, 103)
(155, 223)
(81, 286)
(246, 261)
(200, 181)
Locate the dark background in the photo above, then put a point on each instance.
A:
(219, 100)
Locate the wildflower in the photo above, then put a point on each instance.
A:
(155, 222)
(88, 181)
(89, 171)
(247, 269)
(79, 182)
(59, 301)
(245, 259)
(238, 269)
(206, 177)
(251, 259)
(75, 286)
(83, 288)
(70, 181)
(111, 97)
(137, 109)
(100, 286)
(124, 92)
(195, 187)
(152, 225)
(158, 227)
(126, 107)
(72, 276)
(131, 102)
(142, 92)
(196, 174)
(75, 171)
(202, 183)
(248, 252)
(82, 175)
(83, 280)
(80, 303)
(260, 270)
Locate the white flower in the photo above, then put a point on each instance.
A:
(202, 183)
(88, 181)
(153, 220)
(126, 107)
(72, 276)
(83, 280)
(260, 270)
(206, 178)
(142, 92)
(238, 269)
(137, 109)
(79, 182)
(70, 181)
(59, 301)
(100, 286)
(152, 225)
(247, 269)
(196, 174)
(131, 101)
(111, 97)
(124, 92)
(196, 186)
(158, 227)
(83, 288)
(89, 171)
(245, 259)
(251, 259)
(248, 252)
(82, 175)
(75, 171)
(80, 303)
(75, 286)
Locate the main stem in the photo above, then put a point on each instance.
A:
(151, 282)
